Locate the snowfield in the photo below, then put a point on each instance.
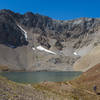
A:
(33, 48)
(43, 49)
(25, 33)
(75, 53)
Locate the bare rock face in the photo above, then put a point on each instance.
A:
(58, 45)
(63, 38)
(43, 40)
(10, 33)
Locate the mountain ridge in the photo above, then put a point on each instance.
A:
(61, 37)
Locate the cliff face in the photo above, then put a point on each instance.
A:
(45, 26)
(21, 33)
(10, 33)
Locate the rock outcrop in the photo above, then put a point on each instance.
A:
(10, 33)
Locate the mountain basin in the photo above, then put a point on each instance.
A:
(37, 77)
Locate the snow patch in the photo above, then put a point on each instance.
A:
(43, 49)
(25, 33)
(75, 53)
(33, 48)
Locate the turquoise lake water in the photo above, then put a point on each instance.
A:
(37, 77)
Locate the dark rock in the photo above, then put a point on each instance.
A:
(55, 60)
(58, 45)
(43, 40)
(10, 33)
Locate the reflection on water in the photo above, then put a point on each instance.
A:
(36, 77)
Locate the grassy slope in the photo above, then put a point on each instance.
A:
(79, 89)
(14, 91)
(89, 79)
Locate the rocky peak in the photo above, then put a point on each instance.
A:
(54, 29)
(10, 33)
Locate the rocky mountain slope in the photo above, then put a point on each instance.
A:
(79, 89)
(89, 60)
(26, 41)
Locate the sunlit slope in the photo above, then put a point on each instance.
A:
(89, 79)
(80, 88)
(89, 60)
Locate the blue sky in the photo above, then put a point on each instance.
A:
(56, 9)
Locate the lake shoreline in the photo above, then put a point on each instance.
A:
(37, 77)
(9, 70)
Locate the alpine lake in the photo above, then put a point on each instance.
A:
(42, 76)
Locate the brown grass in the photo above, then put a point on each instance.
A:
(79, 89)
(4, 68)
(89, 79)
